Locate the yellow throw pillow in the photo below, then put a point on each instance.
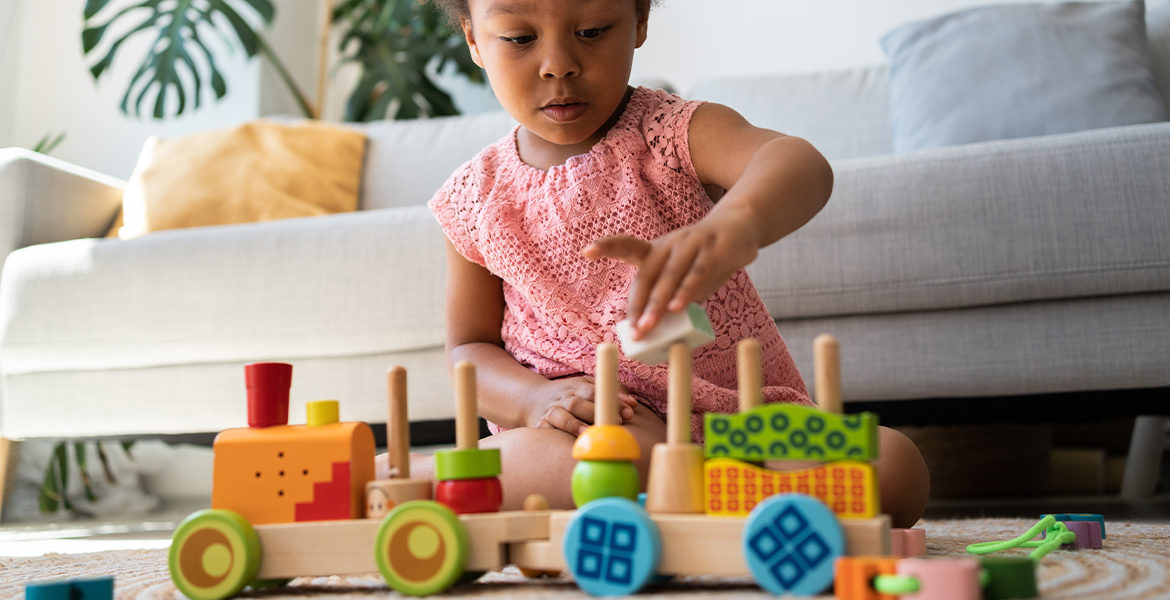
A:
(255, 172)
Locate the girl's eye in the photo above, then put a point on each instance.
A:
(592, 33)
(519, 40)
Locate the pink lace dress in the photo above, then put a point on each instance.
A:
(528, 226)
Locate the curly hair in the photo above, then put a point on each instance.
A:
(458, 11)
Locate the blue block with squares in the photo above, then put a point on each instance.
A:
(790, 542)
(612, 547)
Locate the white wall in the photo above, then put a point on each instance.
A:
(691, 40)
(54, 92)
(49, 88)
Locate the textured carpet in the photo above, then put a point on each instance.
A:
(1135, 563)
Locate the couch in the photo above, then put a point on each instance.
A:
(1023, 269)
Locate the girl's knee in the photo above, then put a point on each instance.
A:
(903, 478)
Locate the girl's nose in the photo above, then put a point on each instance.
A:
(558, 63)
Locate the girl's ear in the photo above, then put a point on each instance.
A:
(643, 22)
(469, 36)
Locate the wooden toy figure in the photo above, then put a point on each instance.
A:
(384, 494)
(468, 478)
(605, 451)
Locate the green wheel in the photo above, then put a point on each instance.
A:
(213, 555)
(421, 548)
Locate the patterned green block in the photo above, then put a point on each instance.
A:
(790, 431)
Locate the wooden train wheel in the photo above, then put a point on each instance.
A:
(421, 548)
(214, 554)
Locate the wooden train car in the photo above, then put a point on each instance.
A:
(292, 501)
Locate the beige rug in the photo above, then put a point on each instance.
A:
(1135, 563)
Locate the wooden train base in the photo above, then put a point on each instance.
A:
(285, 499)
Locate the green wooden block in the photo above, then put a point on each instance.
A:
(1009, 577)
(791, 432)
(467, 463)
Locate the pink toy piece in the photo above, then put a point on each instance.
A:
(909, 543)
(943, 578)
(1088, 535)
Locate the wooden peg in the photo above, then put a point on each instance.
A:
(397, 423)
(678, 421)
(466, 416)
(751, 392)
(675, 484)
(384, 494)
(606, 382)
(827, 369)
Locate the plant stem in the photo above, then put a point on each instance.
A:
(286, 78)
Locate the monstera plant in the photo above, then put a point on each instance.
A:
(398, 46)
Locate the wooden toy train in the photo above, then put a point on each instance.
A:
(301, 500)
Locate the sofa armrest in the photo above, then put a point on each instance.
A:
(1061, 216)
(43, 199)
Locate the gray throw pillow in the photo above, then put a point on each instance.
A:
(1020, 70)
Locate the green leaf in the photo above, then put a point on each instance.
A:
(167, 69)
(93, 7)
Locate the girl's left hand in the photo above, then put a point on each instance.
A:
(686, 265)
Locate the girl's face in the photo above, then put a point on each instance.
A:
(559, 67)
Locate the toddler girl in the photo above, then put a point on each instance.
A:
(605, 202)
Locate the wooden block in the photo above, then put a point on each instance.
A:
(853, 578)
(289, 473)
(94, 588)
(491, 533)
(791, 432)
(676, 479)
(867, 536)
(1081, 517)
(317, 549)
(690, 326)
(908, 543)
(536, 557)
(942, 578)
(848, 488)
(1008, 577)
(384, 494)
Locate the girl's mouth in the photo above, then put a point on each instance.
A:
(564, 112)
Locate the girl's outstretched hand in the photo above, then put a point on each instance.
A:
(567, 404)
(686, 265)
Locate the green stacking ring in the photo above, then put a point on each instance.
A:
(466, 464)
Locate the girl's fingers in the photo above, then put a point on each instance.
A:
(625, 248)
(666, 288)
(565, 421)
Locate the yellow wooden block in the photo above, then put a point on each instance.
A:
(293, 473)
(848, 487)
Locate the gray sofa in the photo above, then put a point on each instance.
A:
(1007, 268)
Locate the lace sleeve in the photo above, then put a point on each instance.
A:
(456, 206)
(667, 128)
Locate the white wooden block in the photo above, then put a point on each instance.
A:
(690, 326)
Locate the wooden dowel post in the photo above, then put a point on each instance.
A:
(827, 373)
(606, 381)
(678, 421)
(466, 413)
(749, 364)
(397, 423)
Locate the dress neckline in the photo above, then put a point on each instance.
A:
(622, 124)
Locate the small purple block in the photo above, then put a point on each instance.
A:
(1088, 535)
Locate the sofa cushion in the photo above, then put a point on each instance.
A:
(1020, 70)
(254, 172)
(844, 113)
(408, 161)
(1056, 217)
(1158, 32)
(338, 285)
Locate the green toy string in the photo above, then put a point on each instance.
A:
(1056, 534)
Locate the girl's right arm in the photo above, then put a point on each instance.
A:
(509, 394)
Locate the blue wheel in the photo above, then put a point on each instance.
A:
(612, 547)
(790, 542)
